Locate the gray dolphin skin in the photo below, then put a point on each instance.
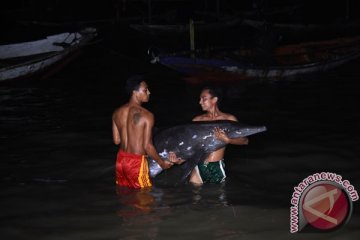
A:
(192, 142)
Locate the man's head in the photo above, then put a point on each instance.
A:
(210, 97)
(136, 86)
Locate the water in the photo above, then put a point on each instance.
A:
(57, 155)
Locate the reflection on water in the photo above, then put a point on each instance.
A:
(135, 202)
(171, 213)
(210, 194)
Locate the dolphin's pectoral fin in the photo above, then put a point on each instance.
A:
(178, 174)
(190, 166)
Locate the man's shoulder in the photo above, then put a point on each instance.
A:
(223, 116)
(147, 113)
(228, 116)
(143, 112)
(201, 117)
(120, 109)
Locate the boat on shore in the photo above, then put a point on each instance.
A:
(285, 61)
(19, 60)
(292, 31)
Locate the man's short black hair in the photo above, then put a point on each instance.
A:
(133, 83)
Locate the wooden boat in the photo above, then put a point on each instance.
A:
(283, 62)
(289, 31)
(24, 59)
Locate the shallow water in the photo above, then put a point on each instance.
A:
(57, 155)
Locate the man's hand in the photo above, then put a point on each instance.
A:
(165, 164)
(221, 135)
(174, 159)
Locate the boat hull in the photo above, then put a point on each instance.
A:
(283, 62)
(38, 56)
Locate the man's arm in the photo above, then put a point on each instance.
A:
(148, 144)
(221, 135)
(239, 141)
(115, 132)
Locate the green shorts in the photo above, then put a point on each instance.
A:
(212, 172)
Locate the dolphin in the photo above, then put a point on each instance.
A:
(192, 142)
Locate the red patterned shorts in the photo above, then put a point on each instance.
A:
(132, 170)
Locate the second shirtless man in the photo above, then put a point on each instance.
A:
(212, 170)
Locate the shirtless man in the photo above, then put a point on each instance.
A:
(132, 131)
(212, 169)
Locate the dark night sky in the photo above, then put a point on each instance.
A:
(96, 9)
